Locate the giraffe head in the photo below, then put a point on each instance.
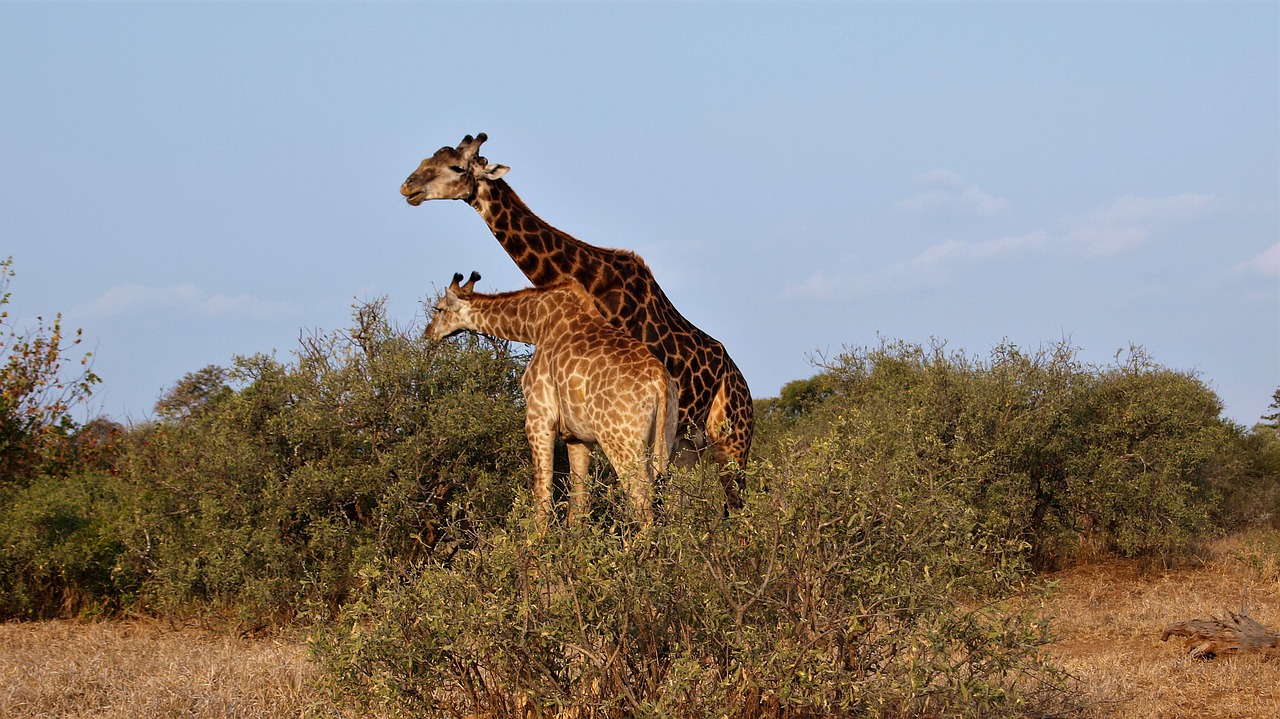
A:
(452, 173)
(453, 311)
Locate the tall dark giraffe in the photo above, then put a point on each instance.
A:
(715, 402)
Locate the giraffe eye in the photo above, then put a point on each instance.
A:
(457, 168)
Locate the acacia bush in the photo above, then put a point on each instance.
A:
(1063, 457)
(883, 565)
(37, 393)
(1249, 479)
(845, 588)
(63, 549)
(56, 553)
(373, 444)
(265, 488)
(901, 495)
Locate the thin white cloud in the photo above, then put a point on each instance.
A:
(953, 251)
(1266, 264)
(931, 267)
(133, 299)
(948, 191)
(1123, 225)
(1129, 222)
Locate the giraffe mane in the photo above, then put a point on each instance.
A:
(507, 191)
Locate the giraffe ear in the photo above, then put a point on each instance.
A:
(493, 172)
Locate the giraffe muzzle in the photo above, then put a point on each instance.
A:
(413, 197)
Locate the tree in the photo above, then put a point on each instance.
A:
(35, 396)
(799, 396)
(194, 393)
(1273, 419)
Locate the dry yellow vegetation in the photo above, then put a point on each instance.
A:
(144, 669)
(1108, 618)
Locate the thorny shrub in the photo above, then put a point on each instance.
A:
(1064, 457)
(36, 393)
(262, 490)
(845, 588)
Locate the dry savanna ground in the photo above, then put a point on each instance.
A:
(114, 670)
(1108, 619)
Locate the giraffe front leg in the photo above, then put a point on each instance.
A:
(542, 441)
(580, 488)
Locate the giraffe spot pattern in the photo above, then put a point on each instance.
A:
(587, 381)
(712, 390)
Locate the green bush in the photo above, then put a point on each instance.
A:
(843, 589)
(267, 487)
(1064, 457)
(63, 552)
(901, 494)
(1249, 479)
(37, 393)
(901, 498)
(1150, 441)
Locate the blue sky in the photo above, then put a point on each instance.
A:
(191, 181)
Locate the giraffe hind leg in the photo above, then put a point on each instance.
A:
(542, 445)
(729, 429)
(632, 463)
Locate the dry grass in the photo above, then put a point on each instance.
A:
(140, 669)
(1108, 619)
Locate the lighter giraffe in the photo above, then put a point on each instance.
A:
(715, 402)
(587, 381)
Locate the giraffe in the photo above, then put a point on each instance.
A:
(715, 402)
(587, 381)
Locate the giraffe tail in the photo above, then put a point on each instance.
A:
(664, 425)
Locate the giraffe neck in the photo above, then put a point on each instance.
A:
(514, 316)
(543, 253)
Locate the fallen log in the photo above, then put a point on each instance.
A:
(1209, 638)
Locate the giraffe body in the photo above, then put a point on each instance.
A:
(715, 407)
(587, 381)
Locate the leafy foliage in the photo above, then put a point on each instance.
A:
(1061, 457)
(1272, 419)
(1249, 478)
(265, 488)
(838, 591)
(901, 494)
(373, 444)
(63, 553)
(884, 564)
(35, 396)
